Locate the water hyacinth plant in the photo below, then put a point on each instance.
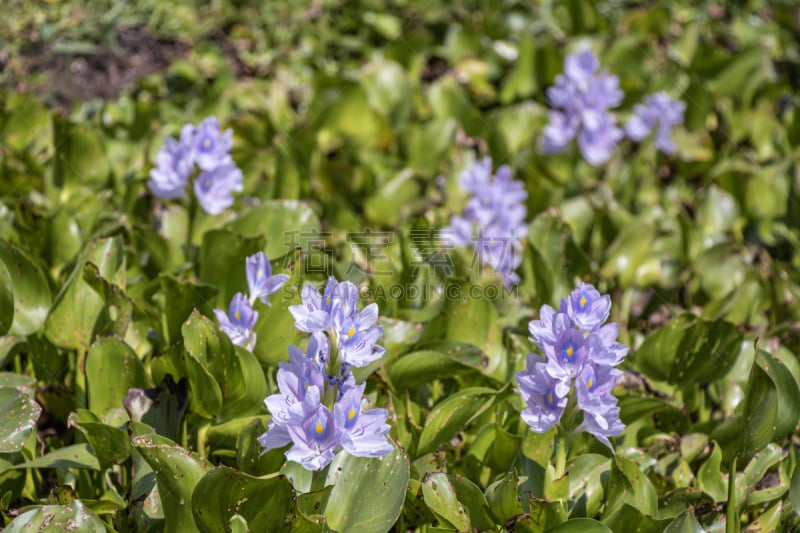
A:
(320, 406)
(581, 100)
(493, 222)
(578, 372)
(239, 321)
(207, 147)
(657, 112)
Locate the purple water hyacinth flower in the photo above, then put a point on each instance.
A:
(315, 435)
(588, 308)
(581, 98)
(239, 321)
(213, 188)
(363, 432)
(544, 406)
(319, 406)
(577, 347)
(173, 165)
(210, 147)
(496, 209)
(659, 112)
(260, 280)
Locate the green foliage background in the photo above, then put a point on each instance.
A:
(123, 408)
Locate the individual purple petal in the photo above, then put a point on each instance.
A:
(581, 66)
(260, 280)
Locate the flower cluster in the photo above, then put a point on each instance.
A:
(577, 347)
(320, 406)
(659, 112)
(497, 208)
(207, 147)
(582, 98)
(239, 321)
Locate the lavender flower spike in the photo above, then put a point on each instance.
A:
(581, 99)
(238, 323)
(658, 111)
(588, 308)
(260, 280)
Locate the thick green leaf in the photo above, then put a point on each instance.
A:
(628, 484)
(177, 473)
(684, 523)
(709, 476)
(77, 307)
(436, 360)
(222, 262)
(18, 416)
(368, 494)
(690, 350)
(284, 223)
(452, 415)
(265, 503)
(24, 293)
(502, 496)
(109, 444)
(456, 500)
(581, 525)
(75, 516)
(112, 369)
(74, 456)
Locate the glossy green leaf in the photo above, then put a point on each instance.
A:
(628, 484)
(178, 472)
(368, 494)
(284, 223)
(24, 293)
(73, 456)
(77, 306)
(453, 415)
(437, 360)
(75, 516)
(18, 416)
(265, 503)
(684, 523)
(109, 444)
(581, 525)
(112, 368)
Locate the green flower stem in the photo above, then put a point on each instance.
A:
(561, 453)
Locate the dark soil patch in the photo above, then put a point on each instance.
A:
(104, 73)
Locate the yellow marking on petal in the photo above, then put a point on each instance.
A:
(583, 302)
(206, 143)
(328, 300)
(590, 383)
(486, 201)
(351, 331)
(550, 398)
(318, 428)
(569, 351)
(307, 385)
(237, 315)
(259, 273)
(351, 413)
(208, 182)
